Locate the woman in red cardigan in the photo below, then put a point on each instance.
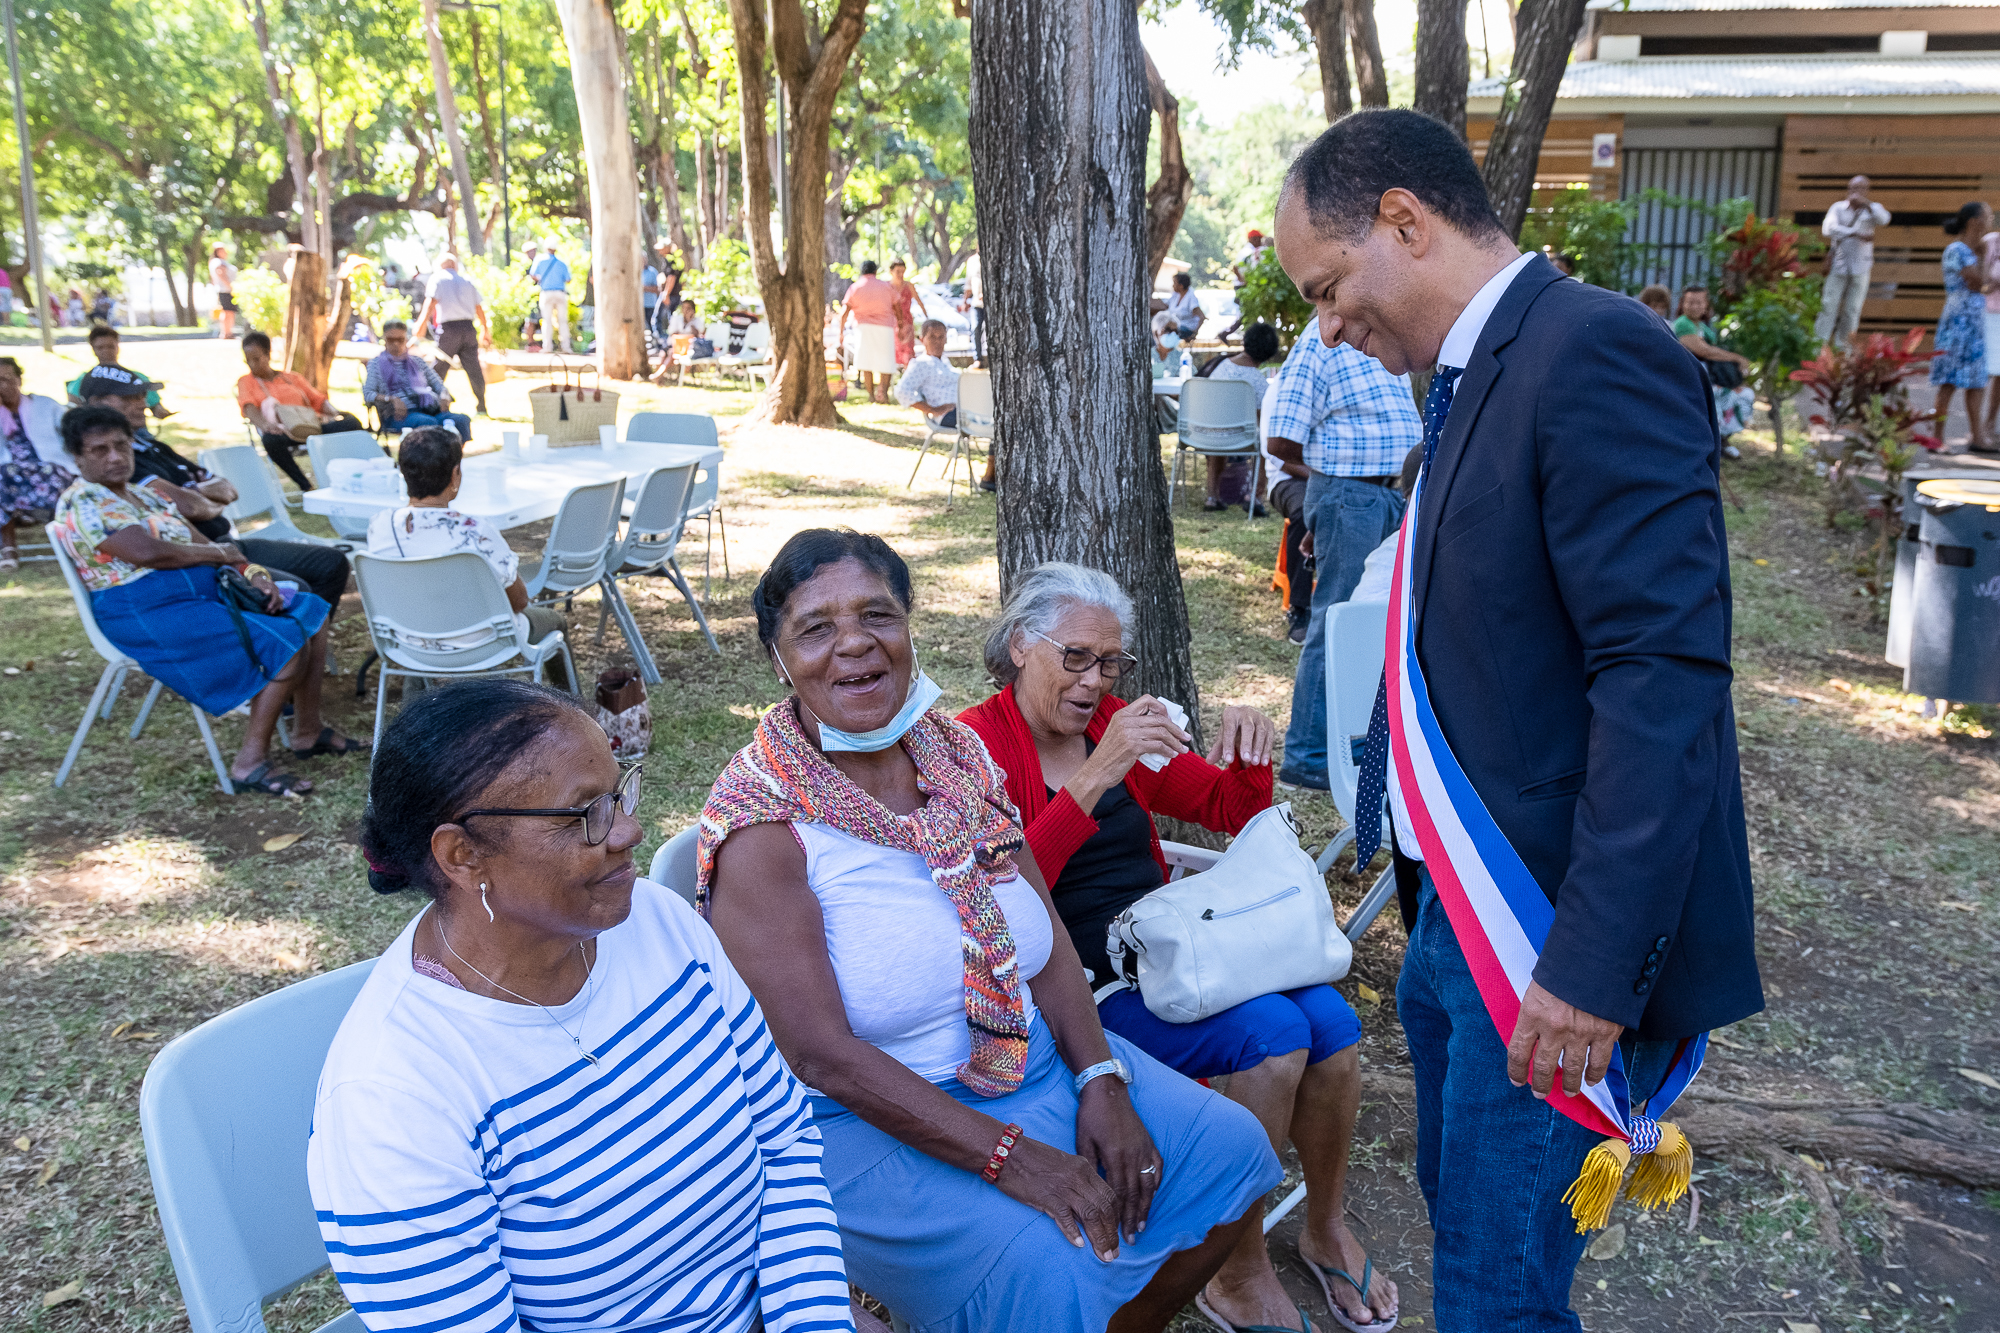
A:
(1072, 756)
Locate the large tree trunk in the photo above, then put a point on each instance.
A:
(306, 320)
(1059, 120)
(1371, 76)
(1327, 19)
(183, 314)
(496, 162)
(295, 150)
(598, 76)
(454, 142)
(1545, 32)
(1444, 66)
(810, 66)
(666, 77)
(1167, 198)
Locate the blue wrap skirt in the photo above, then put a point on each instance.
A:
(172, 623)
(950, 1253)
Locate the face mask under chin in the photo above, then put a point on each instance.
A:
(917, 700)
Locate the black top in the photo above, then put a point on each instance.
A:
(1112, 870)
(151, 457)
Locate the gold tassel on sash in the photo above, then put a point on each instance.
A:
(1596, 1187)
(1660, 1177)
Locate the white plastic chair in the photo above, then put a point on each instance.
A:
(673, 863)
(1354, 646)
(322, 450)
(116, 666)
(445, 616)
(705, 500)
(226, 1110)
(257, 494)
(975, 422)
(255, 436)
(755, 355)
(652, 534)
(1218, 419)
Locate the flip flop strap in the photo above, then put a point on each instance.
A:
(1305, 1322)
(1367, 1277)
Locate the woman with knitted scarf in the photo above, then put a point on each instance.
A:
(997, 1161)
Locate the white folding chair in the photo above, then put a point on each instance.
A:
(754, 357)
(257, 494)
(1218, 419)
(445, 616)
(322, 450)
(116, 666)
(975, 422)
(226, 1111)
(705, 500)
(673, 864)
(652, 534)
(1354, 646)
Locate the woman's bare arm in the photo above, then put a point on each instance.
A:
(136, 546)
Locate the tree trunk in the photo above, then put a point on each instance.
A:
(454, 142)
(183, 314)
(598, 76)
(669, 158)
(295, 150)
(1547, 30)
(811, 68)
(1444, 66)
(1327, 20)
(839, 239)
(1371, 76)
(704, 211)
(1167, 198)
(495, 161)
(305, 320)
(1059, 119)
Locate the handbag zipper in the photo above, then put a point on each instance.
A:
(1212, 915)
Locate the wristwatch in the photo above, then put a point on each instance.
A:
(1113, 1066)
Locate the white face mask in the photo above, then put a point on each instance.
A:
(923, 692)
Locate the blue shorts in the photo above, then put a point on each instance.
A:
(1314, 1019)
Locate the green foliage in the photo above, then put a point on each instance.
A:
(1237, 172)
(1269, 294)
(727, 283)
(375, 303)
(1570, 222)
(508, 295)
(1773, 325)
(262, 297)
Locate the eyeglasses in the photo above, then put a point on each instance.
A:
(1076, 661)
(597, 817)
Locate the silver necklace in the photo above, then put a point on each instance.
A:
(575, 1038)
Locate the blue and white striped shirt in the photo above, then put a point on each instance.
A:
(472, 1173)
(1354, 418)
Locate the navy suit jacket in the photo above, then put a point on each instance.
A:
(1571, 585)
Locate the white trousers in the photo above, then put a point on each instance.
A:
(555, 320)
(1840, 306)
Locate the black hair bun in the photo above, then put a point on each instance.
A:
(387, 881)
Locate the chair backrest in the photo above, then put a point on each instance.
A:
(673, 864)
(256, 494)
(226, 1110)
(582, 536)
(1354, 643)
(106, 649)
(659, 513)
(322, 450)
(1265, 413)
(757, 338)
(975, 403)
(696, 428)
(445, 613)
(1218, 414)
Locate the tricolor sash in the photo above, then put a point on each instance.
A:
(1501, 917)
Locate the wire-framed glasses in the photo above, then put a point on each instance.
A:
(597, 817)
(1076, 661)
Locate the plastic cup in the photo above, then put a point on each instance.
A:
(607, 436)
(510, 445)
(538, 448)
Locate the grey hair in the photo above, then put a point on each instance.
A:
(1039, 601)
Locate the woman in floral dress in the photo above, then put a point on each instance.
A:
(1960, 362)
(906, 323)
(29, 481)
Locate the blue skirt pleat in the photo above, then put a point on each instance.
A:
(171, 622)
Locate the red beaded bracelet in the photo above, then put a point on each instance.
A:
(1001, 1151)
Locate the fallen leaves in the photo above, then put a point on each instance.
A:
(67, 1292)
(288, 960)
(48, 1171)
(23, 1143)
(124, 1032)
(282, 841)
(1368, 992)
(1981, 1077)
(1608, 1243)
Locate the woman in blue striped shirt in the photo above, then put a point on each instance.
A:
(555, 1105)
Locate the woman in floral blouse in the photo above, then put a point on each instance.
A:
(32, 471)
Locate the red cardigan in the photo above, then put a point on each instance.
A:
(1190, 788)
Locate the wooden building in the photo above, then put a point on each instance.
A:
(1782, 101)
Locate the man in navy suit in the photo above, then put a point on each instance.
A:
(1570, 593)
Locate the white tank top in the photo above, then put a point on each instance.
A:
(893, 937)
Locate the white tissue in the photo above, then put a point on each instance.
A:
(1178, 716)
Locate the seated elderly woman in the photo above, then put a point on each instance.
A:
(429, 459)
(1071, 752)
(553, 1104)
(153, 591)
(406, 389)
(997, 1162)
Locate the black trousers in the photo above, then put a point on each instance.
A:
(460, 338)
(979, 334)
(321, 570)
(279, 446)
(1288, 497)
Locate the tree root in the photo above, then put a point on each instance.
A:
(1910, 1139)
(1826, 1216)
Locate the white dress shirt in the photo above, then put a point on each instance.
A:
(1456, 352)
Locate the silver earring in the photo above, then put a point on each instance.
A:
(483, 903)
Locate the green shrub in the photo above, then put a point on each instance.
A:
(262, 298)
(726, 282)
(508, 295)
(375, 301)
(1269, 294)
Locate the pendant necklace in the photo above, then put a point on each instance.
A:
(575, 1038)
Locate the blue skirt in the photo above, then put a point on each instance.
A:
(171, 622)
(945, 1250)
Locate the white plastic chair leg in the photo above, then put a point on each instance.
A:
(146, 710)
(1256, 473)
(1372, 903)
(614, 603)
(89, 717)
(680, 581)
(214, 752)
(381, 703)
(920, 461)
(117, 687)
(1291, 1201)
(1333, 850)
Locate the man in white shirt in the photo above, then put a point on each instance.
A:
(1850, 228)
(929, 383)
(454, 300)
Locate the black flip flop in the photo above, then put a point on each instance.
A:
(326, 745)
(262, 779)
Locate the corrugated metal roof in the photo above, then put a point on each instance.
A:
(1675, 78)
(1717, 6)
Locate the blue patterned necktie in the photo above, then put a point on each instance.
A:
(1374, 775)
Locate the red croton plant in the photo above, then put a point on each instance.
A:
(1763, 251)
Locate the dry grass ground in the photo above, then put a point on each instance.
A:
(138, 901)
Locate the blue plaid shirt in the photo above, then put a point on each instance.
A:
(1354, 418)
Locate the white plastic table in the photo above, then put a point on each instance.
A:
(509, 494)
(1169, 387)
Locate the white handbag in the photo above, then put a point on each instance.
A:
(1256, 922)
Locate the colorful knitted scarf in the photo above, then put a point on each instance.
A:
(965, 832)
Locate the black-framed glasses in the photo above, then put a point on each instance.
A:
(1076, 661)
(597, 817)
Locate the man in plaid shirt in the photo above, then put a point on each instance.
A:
(1350, 422)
